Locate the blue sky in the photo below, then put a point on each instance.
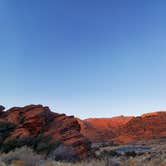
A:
(90, 58)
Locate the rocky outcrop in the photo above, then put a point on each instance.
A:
(125, 129)
(147, 126)
(102, 129)
(34, 120)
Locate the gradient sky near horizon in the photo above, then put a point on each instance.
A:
(90, 58)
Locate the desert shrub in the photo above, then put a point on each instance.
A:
(12, 144)
(9, 145)
(5, 129)
(28, 141)
(24, 154)
(147, 160)
(21, 118)
(40, 144)
(44, 147)
(131, 154)
(110, 153)
(95, 162)
(63, 153)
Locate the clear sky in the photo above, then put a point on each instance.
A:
(90, 58)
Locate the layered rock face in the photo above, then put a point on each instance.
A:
(147, 126)
(33, 120)
(125, 129)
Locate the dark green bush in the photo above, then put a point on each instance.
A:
(131, 154)
(110, 154)
(6, 126)
(5, 129)
(21, 118)
(44, 147)
(44, 144)
(40, 144)
(10, 145)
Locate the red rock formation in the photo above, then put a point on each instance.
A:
(125, 129)
(102, 129)
(147, 126)
(33, 120)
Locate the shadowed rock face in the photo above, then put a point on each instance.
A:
(125, 129)
(33, 120)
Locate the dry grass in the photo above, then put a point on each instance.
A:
(26, 157)
(147, 160)
(129, 162)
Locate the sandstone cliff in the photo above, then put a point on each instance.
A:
(125, 129)
(147, 126)
(34, 120)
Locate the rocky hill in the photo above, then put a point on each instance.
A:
(147, 126)
(102, 129)
(35, 120)
(36, 126)
(125, 129)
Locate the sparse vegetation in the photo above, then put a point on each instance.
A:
(131, 154)
(25, 156)
(110, 153)
(37, 151)
(40, 144)
(21, 118)
(63, 153)
(5, 129)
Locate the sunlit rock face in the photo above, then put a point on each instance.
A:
(151, 125)
(125, 129)
(34, 120)
(102, 129)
